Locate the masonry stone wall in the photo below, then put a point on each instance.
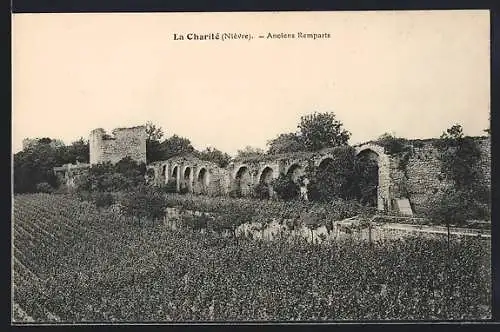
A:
(423, 177)
(125, 142)
(418, 181)
(69, 174)
(195, 175)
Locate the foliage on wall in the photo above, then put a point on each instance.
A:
(344, 175)
(464, 196)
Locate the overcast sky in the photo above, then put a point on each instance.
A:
(410, 73)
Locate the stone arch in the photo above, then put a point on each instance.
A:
(243, 181)
(175, 171)
(377, 154)
(187, 177)
(164, 173)
(176, 176)
(320, 158)
(266, 175)
(202, 180)
(324, 162)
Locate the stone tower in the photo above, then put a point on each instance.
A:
(125, 142)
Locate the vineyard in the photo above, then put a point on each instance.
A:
(73, 262)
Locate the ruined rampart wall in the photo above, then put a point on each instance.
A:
(125, 142)
(423, 177)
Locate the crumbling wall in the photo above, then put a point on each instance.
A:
(68, 175)
(204, 177)
(418, 180)
(125, 142)
(423, 177)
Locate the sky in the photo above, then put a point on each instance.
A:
(412, 74)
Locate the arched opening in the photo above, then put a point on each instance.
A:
(289, 184)
(243, 182)
(173, 182)
(164, 173)
(367, 173)
(328, 181)
(187, 180)
(264, 189)
(295, 172)
(266, 176)
(326, 164)
(202, 181)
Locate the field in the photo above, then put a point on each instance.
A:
(75, 263)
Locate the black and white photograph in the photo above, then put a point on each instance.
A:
(246, 167)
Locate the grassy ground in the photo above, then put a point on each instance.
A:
(73, 262)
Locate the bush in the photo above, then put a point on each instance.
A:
(144, 203)
(106, 177)
(344, 176)
(392, 145)
(285, 188)
(456, 207)
(44, 187)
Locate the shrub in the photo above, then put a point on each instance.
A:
(344, 176)
(285, 188)
(44, 187)
(456, 207)
(144, 203)
(106, 177)
(392, 145)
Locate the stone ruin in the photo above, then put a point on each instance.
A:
(124, 142)
(398, 190)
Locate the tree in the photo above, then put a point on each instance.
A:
(106, 177)
(216, 156)
(322, 130)
(45, 140)
(459, 156)
(455, 132)
(249, 151)
(286, 143)
(153, 144)
(176, 145)
(335, 178)
(465, 195)
(153, 132)
(78, 151)
(33, 166)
